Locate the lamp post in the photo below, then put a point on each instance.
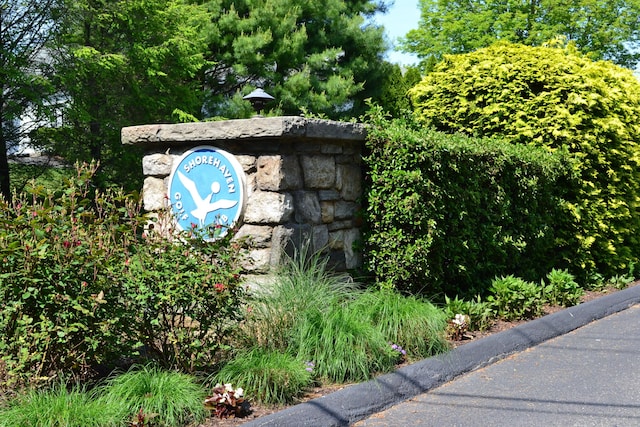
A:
(258, 99)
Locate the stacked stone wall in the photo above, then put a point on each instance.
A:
(304, 181)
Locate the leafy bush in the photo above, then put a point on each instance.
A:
(185, 294)
(447, 214)
(62, 310)
(481, 315)
(267, 376)
(558, 99)
(172, 398)
(513, 298)
(83, 285)
(562, 289)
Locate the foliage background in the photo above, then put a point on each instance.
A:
(601, 29)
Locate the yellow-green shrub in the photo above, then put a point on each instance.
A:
(554, 98)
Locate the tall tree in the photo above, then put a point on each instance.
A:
(122, 63)
(394, 98)
(317, 55)
(25, 27)
(603, 29)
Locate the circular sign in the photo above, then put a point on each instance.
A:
(206, 191)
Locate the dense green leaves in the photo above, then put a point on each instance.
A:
(316, 56)
(557, 99)
(83, 285)
(603, 29)
(448, 213)
(123, 63)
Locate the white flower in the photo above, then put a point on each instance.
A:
(461, 320)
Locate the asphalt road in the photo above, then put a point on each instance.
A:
(588, 377)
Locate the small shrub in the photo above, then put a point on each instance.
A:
(267, 376)
(60, 406)
(562, 289)
(514, 299)
(83, 285)
(62, 311)
(412, 323)
(480, 312)
(225, 401)
(185, 295)
(172, 398)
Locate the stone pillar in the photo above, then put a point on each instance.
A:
(304, 180)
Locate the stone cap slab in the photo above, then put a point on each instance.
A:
(283, 127)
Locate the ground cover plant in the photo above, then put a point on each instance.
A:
(328, 329)
(168, 398)
(412, 323)
(59, 406)
(269, 376)
(511, 298)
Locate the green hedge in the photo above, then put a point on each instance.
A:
(447, 213)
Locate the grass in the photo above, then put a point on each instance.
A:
(344, 346)
(175, 398)
(50, 177)
(267, 376)
(59, 406)
(415, 324)
(302, 284)
(317, 316)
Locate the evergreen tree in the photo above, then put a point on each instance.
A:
(121, 63)
(317, 56)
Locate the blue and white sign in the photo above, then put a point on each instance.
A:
(207, 190)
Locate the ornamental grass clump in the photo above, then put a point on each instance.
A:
(303, 284)
(267, 376)
(62, 406)
(344, 344)
(172, 398)
(415, 324)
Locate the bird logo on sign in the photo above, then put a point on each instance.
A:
(206, 190)
(204, 206)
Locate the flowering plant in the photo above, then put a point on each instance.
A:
(226, 401)
(401, 351)
(458, 326)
